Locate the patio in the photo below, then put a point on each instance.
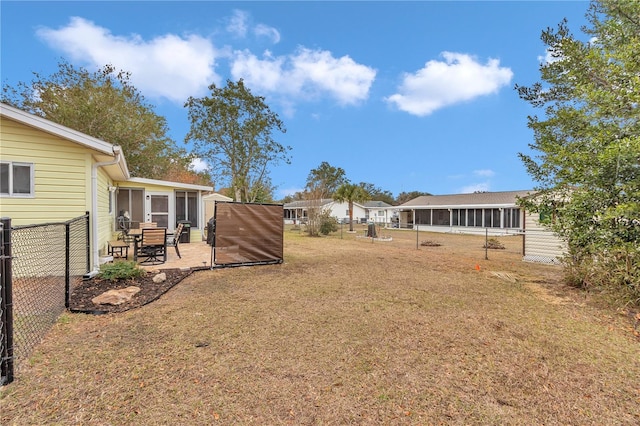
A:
(194, 255)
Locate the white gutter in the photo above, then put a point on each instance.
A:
(94, 210)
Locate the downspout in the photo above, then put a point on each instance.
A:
(94, 210)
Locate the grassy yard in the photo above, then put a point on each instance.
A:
(346, 331)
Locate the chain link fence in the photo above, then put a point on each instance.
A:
(531, 245)
(6, 325)
(47, 262)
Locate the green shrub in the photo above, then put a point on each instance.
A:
(328, 224)
(120, 271)
(614, 271)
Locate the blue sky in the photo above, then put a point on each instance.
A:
(408, 96)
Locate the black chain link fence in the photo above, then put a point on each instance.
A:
(6, 319)
(47, 262)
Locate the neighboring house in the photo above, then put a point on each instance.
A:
(540, 243)
(494, 212)
(297, 211)
(51, 173)
(465, 213)
(378, 212)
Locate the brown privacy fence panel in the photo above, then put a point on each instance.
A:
(247, 234)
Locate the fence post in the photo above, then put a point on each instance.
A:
(67, 255)
(87, 232)
(6, 305)
(486, 243)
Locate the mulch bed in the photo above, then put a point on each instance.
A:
(80, 300)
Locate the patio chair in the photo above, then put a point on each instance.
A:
(174, 240)
(124, 225)
(152, 246)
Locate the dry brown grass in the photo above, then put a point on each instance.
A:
(346, 331)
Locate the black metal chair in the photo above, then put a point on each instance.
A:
(124, 225)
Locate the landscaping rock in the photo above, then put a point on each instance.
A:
(160, 278)
(116, 297)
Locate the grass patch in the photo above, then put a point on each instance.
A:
(344, 331)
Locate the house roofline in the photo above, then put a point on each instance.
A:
(56, 129)
(169, 183)
(64, 132)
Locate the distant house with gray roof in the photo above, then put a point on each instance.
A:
(378, 212)
(495, 213)
(466, 213)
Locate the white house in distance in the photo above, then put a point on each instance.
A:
(297, 211)
(378, 212)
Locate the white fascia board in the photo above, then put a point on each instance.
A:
(170, 184)
(462, 206)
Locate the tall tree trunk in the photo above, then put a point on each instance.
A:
(350, 216)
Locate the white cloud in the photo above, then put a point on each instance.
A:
(271, 33)
(549, 57)
(289, 191)
(240, 25)
(484, 173)
(306, 73)
(475, 187)
(176, 67)
(237, 24)
(199, 165)
(459, 78)
(166, 66)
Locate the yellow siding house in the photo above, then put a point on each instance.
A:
(51, 173)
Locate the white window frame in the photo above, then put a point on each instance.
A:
(11, 164)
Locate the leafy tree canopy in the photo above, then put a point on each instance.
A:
(403, 197)
(586, 147)
(234, 130)
(377, 194)
(105, 105)
(324, 180)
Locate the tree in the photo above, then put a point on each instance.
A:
(324, 180)
(179, 174)
(403, 197)
(233, 129)
(587, 144)
(105, 105)
(350, 193)
(296, 196)
(377, 194)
